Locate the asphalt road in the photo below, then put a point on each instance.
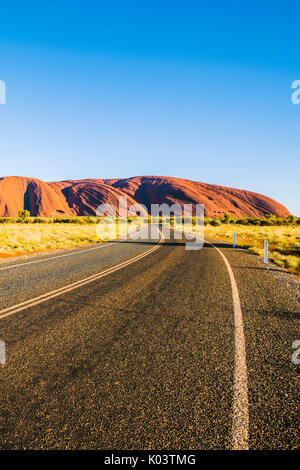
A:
(144, 357)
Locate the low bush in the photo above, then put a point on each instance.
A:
(8, 220)
(216, 221)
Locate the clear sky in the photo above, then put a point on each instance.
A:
(192, 89)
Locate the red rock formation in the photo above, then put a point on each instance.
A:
(82, 197)
(218, 200)
(17, 193)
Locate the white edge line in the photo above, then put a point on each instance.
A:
(240, 423)
(55, 293)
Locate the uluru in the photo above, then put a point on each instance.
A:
(82, 197)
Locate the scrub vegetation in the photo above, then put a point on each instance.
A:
(26, 234)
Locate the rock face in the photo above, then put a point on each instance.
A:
(17, 193)
(82, 197)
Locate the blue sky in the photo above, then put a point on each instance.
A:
(198, 90)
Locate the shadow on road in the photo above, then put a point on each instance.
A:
(173, 242)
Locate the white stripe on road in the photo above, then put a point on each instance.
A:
(240, 424)
(55, 293)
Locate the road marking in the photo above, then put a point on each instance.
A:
(62, 290)
(240, 424)
(55, 257)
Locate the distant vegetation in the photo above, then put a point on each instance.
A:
(284, 241)
(25, 234)
(269, 220)
(27, 219)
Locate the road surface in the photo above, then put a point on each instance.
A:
(147, 354)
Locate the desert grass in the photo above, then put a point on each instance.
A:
(284, 242)
(16, 239)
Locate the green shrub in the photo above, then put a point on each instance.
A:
(292, 219)
(226, 218)
(242, 221)
(267, 222)
(23, 215)
(42, 220)
(8, 220)
(215, 222)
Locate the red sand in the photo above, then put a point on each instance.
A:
(20, 253)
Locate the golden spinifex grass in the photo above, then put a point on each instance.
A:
(284, 242)
(24, 238)
(27, 238)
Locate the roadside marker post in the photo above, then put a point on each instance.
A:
(266, 251)
(233, 239)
